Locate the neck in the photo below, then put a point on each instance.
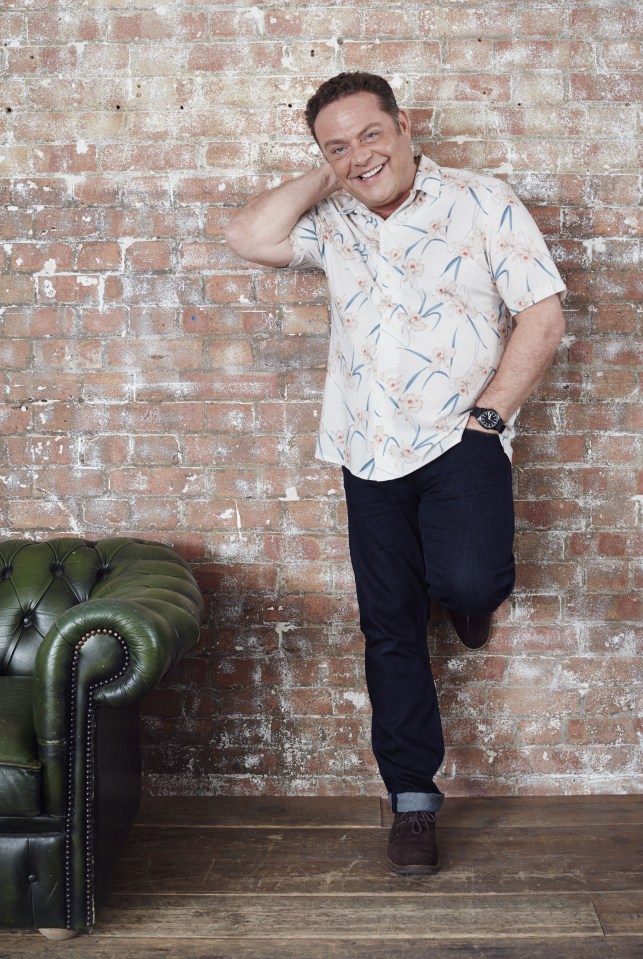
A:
(386, 211)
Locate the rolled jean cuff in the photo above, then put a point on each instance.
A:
(413, 802)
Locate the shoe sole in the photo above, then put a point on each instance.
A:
(474, 649)
(414, 870)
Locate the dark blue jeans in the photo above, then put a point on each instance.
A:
(443, 532)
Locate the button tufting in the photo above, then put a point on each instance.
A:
(6, 572)
(27, 621)
(57, 570)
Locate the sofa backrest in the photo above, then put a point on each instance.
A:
(38, 582)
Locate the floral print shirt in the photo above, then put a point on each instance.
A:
(421, 307)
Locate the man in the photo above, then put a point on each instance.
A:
(425, 267)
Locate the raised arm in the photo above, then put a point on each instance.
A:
(530, 351)
(260, 231)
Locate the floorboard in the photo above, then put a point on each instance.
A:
(620, 913)
(334, 917)
(33, 946)
(262, 812)
(353, 861)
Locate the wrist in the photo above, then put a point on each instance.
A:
(472, 424)
(488, 418)
(328, 181)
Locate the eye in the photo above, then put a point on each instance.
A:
(337, 151)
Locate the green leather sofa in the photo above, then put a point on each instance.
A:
(86, 630)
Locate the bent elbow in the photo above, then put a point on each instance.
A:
(558, 326)
(232, 237)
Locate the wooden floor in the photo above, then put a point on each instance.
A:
(550, 878)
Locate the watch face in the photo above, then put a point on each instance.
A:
(489, 419)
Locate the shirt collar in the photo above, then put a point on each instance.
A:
(427, 180)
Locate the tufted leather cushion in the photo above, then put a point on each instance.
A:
(38, 582)
(20, 768)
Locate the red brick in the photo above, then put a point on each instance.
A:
(16, 290)
(229, 354)
(107, 514)
(472, 54)
(14, 224)
(41, 450)
(68, 288)
(147, 256)
(36, 257)
(612, 87)
(67, 224)
(235, 57)
(614, 22)
(482, 21)
(612, 575)
(488, 88)
(150, 25)
(65, 159)
(219, 514)
(56, 354)
(104, 450)
(122, 157)
(46, 515)
(41, 60)
(99, 255)
(544, 54)
(48, 27)
(13, 25)
(39, 191)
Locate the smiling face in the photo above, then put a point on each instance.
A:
(370, 154)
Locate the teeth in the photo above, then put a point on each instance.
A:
(367, 176)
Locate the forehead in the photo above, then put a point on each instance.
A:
(349, 115)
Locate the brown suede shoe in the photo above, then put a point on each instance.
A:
(412, 850)
(472, 631)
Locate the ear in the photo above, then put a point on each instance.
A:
(405, 123)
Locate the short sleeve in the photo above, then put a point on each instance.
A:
(304, 240)
(521, 264)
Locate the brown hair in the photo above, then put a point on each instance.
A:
(345, 84)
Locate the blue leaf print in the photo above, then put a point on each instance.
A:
(429, 441)
(451, 403)
(500, 266)
(507, 215)
(407, 349)
(474, 195)
(543, 267)
(434, 239)
(457, 260)
(475, 330)
(414, 378)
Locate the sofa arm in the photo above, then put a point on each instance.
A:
(109, 651)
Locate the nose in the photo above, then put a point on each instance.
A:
(362, 155)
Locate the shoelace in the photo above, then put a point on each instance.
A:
(419, 820)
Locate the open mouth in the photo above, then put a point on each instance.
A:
(371, 174)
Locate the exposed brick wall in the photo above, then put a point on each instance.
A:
(156, 385)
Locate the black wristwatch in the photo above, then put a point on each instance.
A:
(488, 418)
